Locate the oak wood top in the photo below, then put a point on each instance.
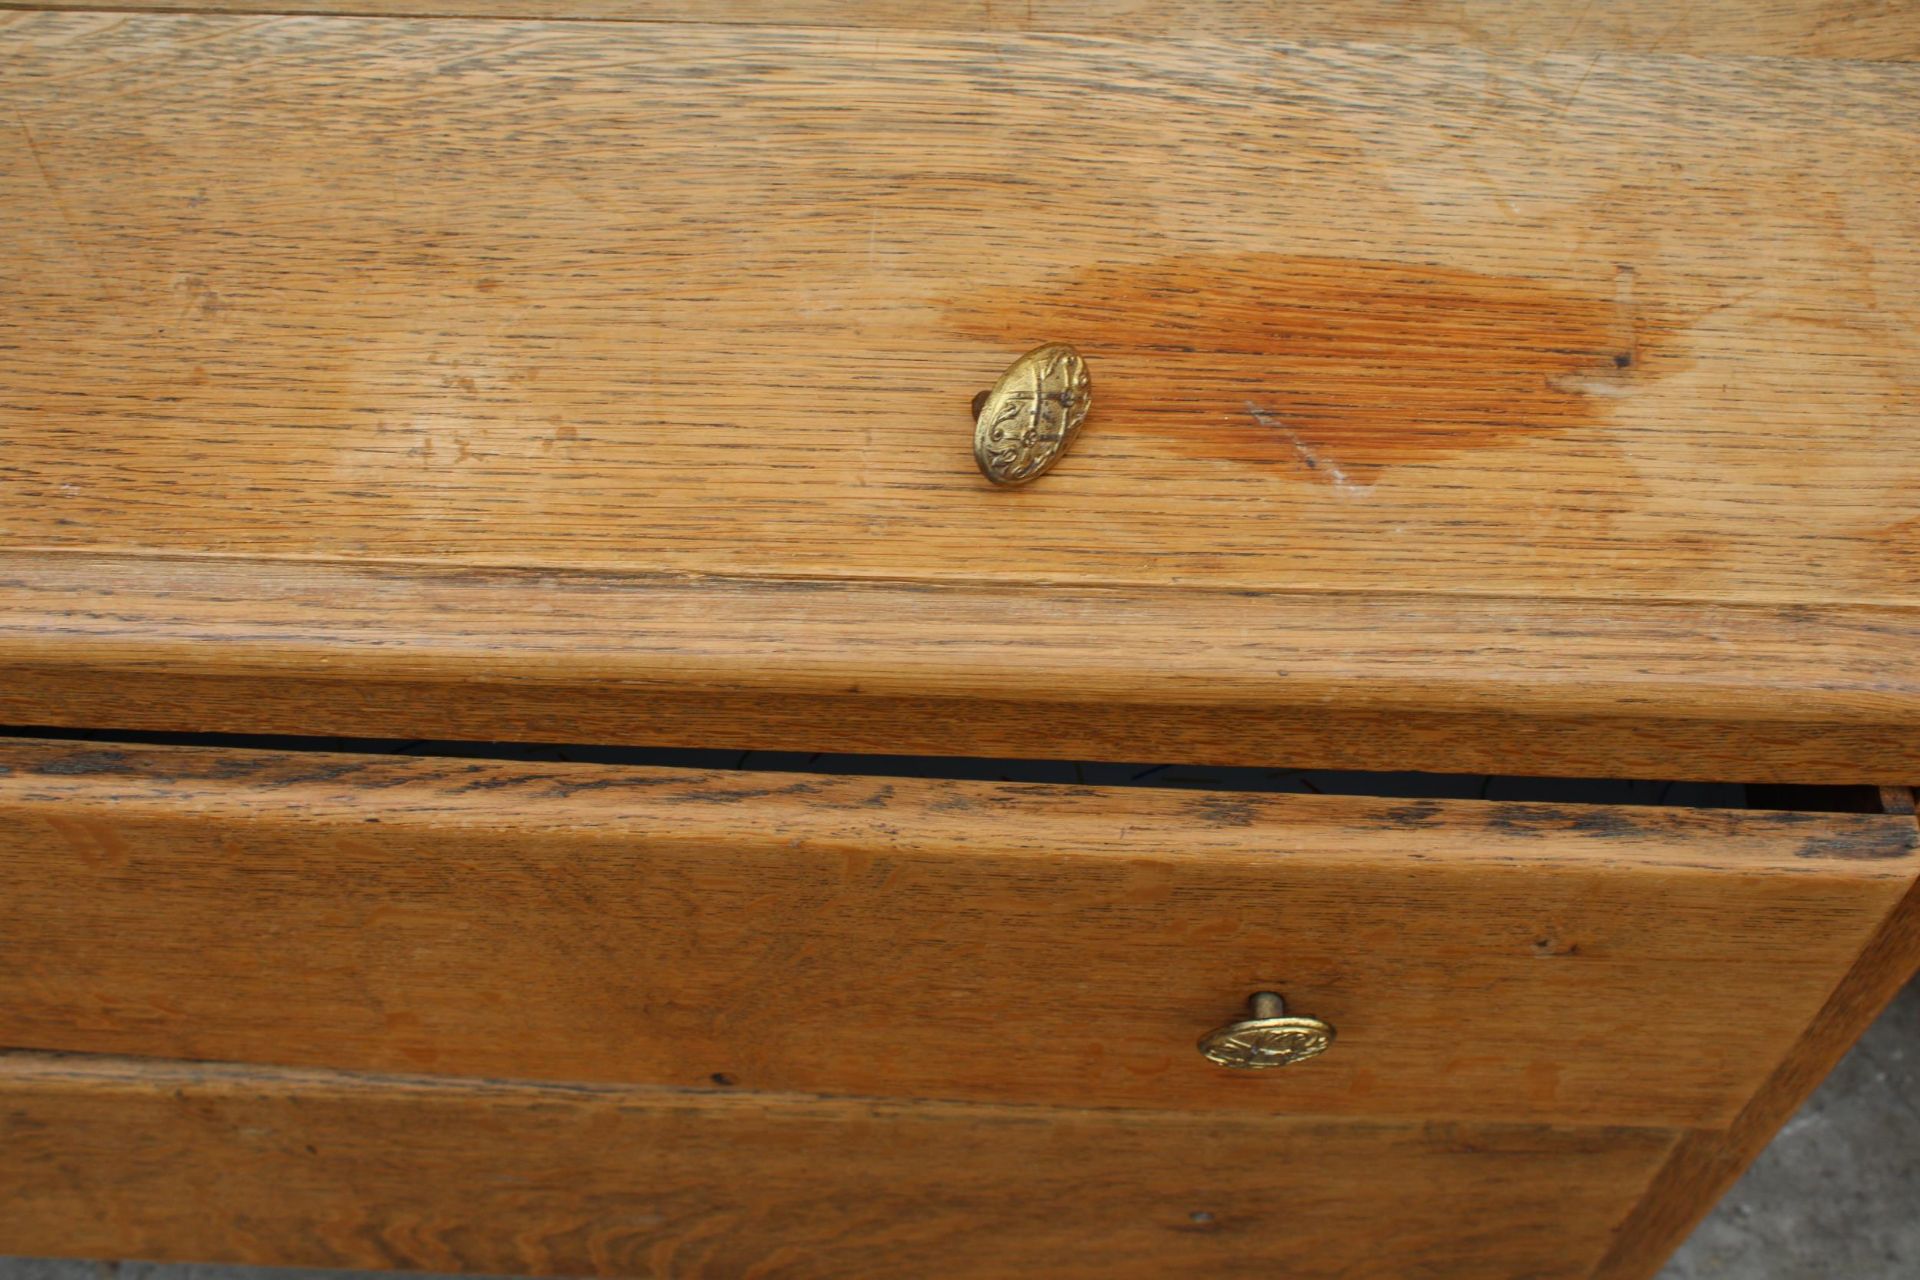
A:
(1372, 329)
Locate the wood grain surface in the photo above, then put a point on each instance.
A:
(914, 938)
(1372, 328)
(104, 1158)
(1888, 29)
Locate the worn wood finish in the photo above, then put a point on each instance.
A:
(898, 937)
(1887, 29)
(1417, 339)
(1705, 1164)
(170, 1161)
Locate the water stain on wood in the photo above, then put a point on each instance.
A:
(1332, 369)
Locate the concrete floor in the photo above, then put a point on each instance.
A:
(1836, 1197)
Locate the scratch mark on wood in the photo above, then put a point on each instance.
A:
(1315, 461)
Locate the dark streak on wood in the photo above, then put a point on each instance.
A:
(1412, 815)
(1222, 811)
(82, 763)
(1864, 843)
(1524, 818)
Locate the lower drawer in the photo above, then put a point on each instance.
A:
(116, 1158)
(907, 938)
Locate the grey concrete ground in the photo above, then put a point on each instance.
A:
(1836, 1197)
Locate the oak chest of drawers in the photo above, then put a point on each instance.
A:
(1521, 392)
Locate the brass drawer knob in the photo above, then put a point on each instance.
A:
(1025, 422)
(1267, 1037)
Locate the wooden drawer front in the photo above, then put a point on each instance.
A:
(110, 1158)
(926, 939)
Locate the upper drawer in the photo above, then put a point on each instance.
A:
(610, 381)
(919, 938)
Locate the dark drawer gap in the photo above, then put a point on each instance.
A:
(1104, 773)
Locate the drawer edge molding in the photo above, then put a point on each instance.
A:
(1752, 692)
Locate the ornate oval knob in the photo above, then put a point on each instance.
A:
(1267, 1037)
(1026, 420)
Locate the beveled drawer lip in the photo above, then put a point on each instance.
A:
(1578, 687)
